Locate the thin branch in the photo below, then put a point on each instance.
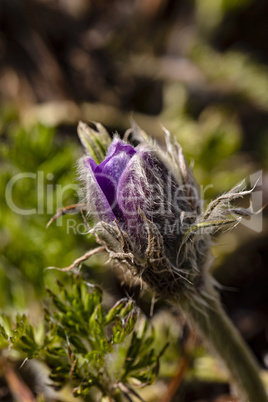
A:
(71, 209)
(81, 259)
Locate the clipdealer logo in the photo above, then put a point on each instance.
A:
(50, 197)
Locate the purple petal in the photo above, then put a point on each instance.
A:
(120, 146)
(117, 158)
(95, 197)
(107, 173)
(90, 163)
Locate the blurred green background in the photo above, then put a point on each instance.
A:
(199, 68)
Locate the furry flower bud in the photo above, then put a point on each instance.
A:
(148, 214)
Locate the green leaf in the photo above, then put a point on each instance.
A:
(115, 310)
(94, 140)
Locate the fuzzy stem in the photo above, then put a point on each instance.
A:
(211, 320)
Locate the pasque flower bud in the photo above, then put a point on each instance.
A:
(148, 213)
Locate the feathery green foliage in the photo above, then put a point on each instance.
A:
(92, 350)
